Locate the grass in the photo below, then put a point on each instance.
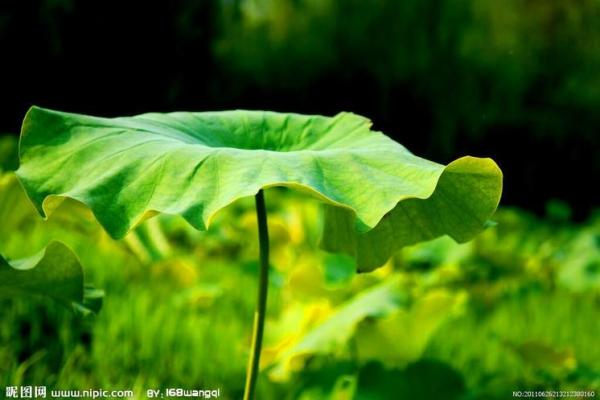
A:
(537, 340)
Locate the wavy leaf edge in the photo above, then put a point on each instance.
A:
(51, 202)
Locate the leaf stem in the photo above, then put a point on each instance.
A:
(263, 285)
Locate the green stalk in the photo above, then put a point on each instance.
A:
(263, 286)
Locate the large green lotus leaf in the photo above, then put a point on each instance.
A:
(54, 272)
(194, 164)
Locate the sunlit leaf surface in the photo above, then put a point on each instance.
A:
(194, 164)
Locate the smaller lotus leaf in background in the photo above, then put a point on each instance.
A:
(54, 272)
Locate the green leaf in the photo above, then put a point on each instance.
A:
(54, 272)
(402, 336)
(333, 333)
(194, 164)
(467, 194)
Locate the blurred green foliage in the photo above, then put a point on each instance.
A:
(515, 309)
(9, 160)
(478, 65)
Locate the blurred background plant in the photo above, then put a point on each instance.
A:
(515, 309)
